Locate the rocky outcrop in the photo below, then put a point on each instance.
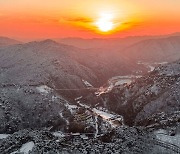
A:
(121, 140)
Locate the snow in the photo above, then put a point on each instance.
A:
(44, 89)
(3, 136)
(163, 136)
(160, 63)
(83, 105)
(124, 77)
(155, 89)
(96, 123)
(110, 118)
(78, 98)
(116, 81)
(120, 82)
(103, 114)
(84, 137)
(54, 98)
(58, 134)
(103, 90)
(61, 115)
(15, 152)
(75, 134)
(151, 68)
(71, 107)
(25, 148)
(87, 83)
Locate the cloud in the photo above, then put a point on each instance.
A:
(76, 20)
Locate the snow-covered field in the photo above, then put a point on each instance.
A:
(87, 84)
(163, 136)
(103, 114)
(44, 89)
(25, 148)
(3, 136)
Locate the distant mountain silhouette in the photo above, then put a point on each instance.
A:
(112, 44)
(5, 41)
(160, 49)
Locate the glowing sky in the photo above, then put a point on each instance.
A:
(30, 19)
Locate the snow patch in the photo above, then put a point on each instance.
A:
(120, 82)
(155, 89)
(163, 136)
(71, 108)
(160, 63)
(59, 134)
(27, 147)
(84, 137)
(103, 114)
(116, 81)
(151, 68)
(103, 90)
(44, 89)
(61, 115)
(87, 83)
(96, 124)
(78, 98)
(54, 98)
(3, 136)
(83, 105)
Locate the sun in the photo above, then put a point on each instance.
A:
(105, 26)
(105, 22)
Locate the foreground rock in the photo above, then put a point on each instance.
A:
(120, 140)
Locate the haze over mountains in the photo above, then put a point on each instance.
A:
(138, 48)
(5, 41)
(163, 49)
(98, 96)
(113, 44)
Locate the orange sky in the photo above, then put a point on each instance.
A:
(36, 19)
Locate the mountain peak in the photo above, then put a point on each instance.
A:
(48, 41)
(5, 41)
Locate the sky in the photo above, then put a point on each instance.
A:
(37, 19)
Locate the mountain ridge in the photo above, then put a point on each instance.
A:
(5, 41)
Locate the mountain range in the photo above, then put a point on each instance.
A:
(58, 98)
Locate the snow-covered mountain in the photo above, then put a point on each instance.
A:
(34, 78)
(46, 61)
(151, 94)
(37, 63)
(41, 113)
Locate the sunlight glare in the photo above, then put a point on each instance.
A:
(105, 23)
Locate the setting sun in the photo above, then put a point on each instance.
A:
(105, 22)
